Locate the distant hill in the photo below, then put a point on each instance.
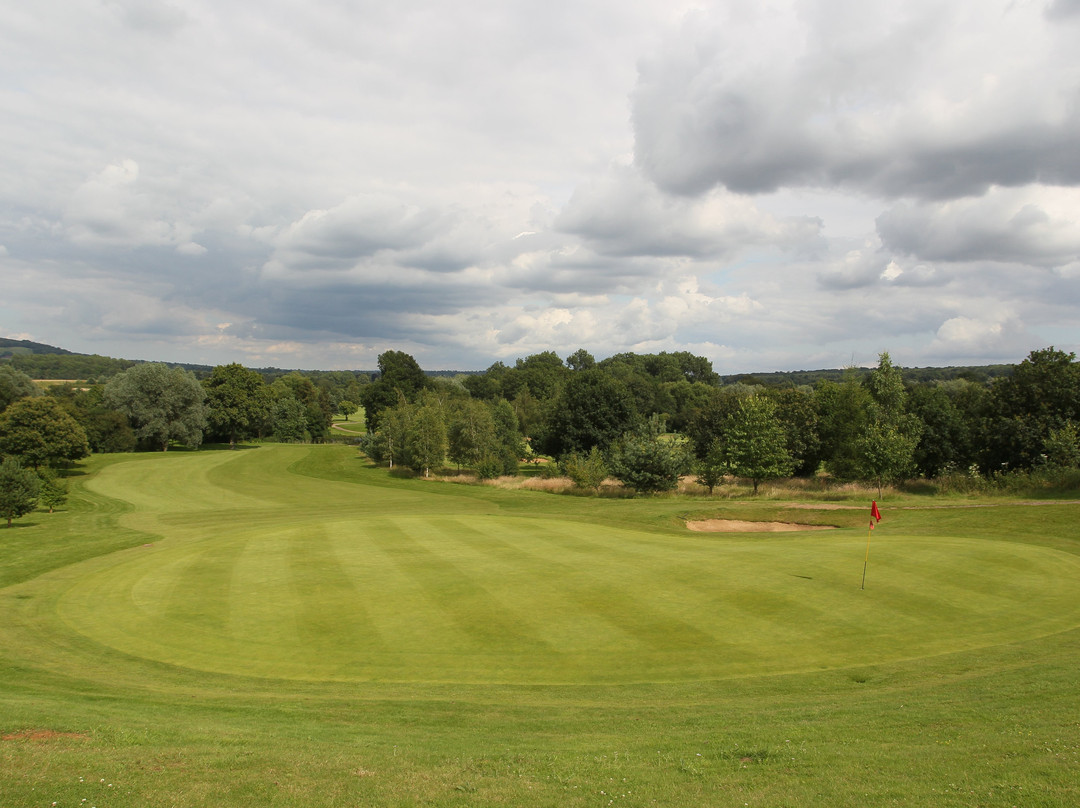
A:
(41, 361)
(22, 347)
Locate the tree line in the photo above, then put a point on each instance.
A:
(646, 419)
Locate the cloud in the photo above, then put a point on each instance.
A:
(622, 214)
(1030, 225)
(915, 99)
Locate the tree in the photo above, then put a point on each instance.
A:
(754, 443)
(41, 432)
(1042, 394)
(585, 471)
(712, 468)
(886, 453)
(18, 490)
(347, 407)
(580, 360)
(471, 433)
(162, 404)
(593, 410)
(237, 401)
(54, 492)
(14, 384)
(843, 413)
(289, 419)
(509, 442)
(885, 449)
(399, 376)
(426, 443)
(315, 402)
(648, 460)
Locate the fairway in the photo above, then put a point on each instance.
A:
(258, 569)
(290, 626)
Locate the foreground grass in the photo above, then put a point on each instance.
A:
(949, 681)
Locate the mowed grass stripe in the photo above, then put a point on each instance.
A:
(484, 619)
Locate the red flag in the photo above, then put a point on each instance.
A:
(875, 514)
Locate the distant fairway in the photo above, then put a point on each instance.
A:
(266, 572)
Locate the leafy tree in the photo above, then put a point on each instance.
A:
(399, 375)
(648, 460)
(543, 373)
(471, 433)
(426, 442)
(14, 384)
(754, 443)
(315, 401)
(798, 415)
(1063, 447)
(886, 453)
(19, 489)
(885, 449)
(1042, 394)
(289, 418)
(712, 468)
(347, 407)
(580, 360)
(237, 401)
(843, 414)
(41, 432)
(585, 470)
(162, 404)
(509, 441)
(593, 410)
(54, 491)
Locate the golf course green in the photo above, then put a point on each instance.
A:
(223, 592)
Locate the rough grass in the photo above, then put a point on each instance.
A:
(288, 626)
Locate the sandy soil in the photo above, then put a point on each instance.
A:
(739, 526)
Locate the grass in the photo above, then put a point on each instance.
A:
(289, 626)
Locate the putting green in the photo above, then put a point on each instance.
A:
(374, 584)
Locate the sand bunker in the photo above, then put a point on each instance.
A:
(739, 526)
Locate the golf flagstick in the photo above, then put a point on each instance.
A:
(875, 516)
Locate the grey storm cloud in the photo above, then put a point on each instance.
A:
(917, 99)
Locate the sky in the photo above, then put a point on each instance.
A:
(772, 185)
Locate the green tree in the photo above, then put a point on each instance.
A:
(843, 414)
(41, 432)
(712, 468)
(54, 491)
(1062, 447)
(162, 404)
(580, 360)
(289, 419)
(471, 433)
(509, 441)
(585, 470)
(399, 376)
(237, 401)
(1042, 394)
(754, 443)
(885, 449)
(426, 443)
(648, 460)
(886, 454)
(315, 401)
(593, 410)
(14, 384)
(18, 490)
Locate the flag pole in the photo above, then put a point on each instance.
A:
(866, 560)
(875, 516)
